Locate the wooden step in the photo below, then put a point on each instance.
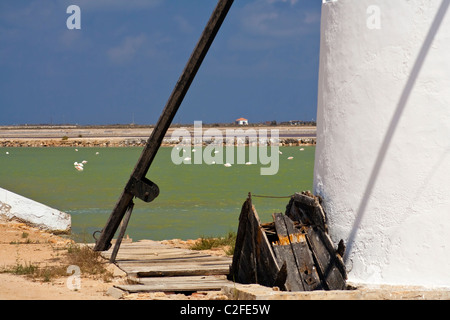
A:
(164, 270)
(177, 284)
(152, 259)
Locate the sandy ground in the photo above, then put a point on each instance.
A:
(23, 245)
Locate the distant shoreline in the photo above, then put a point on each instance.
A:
(128, 136)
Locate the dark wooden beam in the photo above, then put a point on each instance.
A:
(154, 142)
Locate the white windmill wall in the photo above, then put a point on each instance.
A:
(383, 137)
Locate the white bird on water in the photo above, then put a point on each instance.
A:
(290, 158)
(227, 164)
(79, 166)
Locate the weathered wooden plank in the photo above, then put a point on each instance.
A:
(240, 239)
(152, 259)
(302, 269)
(304, 199)
(331, 267)
(303, 257)
(159, 253)
(268, 270)
(281, 277)
(253, 260)
(293, 212)
(163, 265)
(305, 264)
(243, 268)
(153, 251)
(284, 254)
(184, 279)
(280, 226)
(311, 212)
(162, 262)
(167, 256)
(176, 270)
(328, 243)
(326, 261)
(177, 284)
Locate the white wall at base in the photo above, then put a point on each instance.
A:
(15, 206)
(383, 137)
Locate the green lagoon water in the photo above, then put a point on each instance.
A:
(195, 200)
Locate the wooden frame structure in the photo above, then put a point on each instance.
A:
(294, 252)
(138, 185)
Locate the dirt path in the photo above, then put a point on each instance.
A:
(22, 246)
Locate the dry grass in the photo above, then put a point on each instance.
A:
(207, 243)
(90, 263)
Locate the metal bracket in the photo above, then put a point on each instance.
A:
(143, 189)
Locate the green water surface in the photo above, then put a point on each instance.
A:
(195, 200)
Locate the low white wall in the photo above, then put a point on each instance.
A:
(383, 137)
(15, 206)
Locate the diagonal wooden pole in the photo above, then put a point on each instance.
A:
(138, 185)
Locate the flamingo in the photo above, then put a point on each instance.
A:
(79, 166)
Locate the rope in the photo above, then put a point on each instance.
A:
(276, 197)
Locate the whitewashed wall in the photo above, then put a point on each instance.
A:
(15, 206)
(383, 137)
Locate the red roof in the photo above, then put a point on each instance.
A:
(241, 119)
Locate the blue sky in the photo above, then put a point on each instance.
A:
(123, 63)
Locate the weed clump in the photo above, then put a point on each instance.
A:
(227, 242)
(90, 263)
